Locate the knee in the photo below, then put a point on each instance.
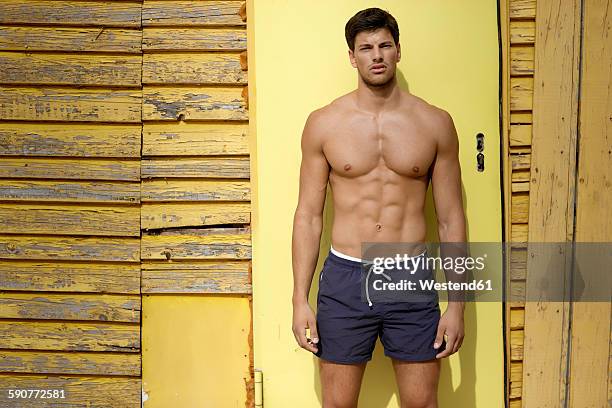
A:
(420, 401)
(337, 401)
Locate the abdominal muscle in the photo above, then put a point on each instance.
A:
(385, 207)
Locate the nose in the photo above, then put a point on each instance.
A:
(377, 55)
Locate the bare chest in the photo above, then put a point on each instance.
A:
(359, 146)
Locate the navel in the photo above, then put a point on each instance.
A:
(347, 167)
(378, 227)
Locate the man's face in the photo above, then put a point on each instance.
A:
(375, 56)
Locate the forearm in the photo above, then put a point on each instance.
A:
(453, 244)
(305, 252)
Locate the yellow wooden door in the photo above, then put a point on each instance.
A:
(298, 61)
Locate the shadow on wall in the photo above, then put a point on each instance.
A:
(379, 388)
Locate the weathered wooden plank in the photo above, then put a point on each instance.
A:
(70, 220)
(55, 168)
(517, 318)
(193, 69)
(201, 277)
(37, 247)
(521, 118)
(590, 378)
(84, 13)
(519, 232)
(75, 39)
(520, 135)
(521, 161)
(521, 93)
(186, 139)
(69, 191)
(518, 264)
(218, 243)
(520, 175)
(551, 201)
(194, 39)
(80, 392)
(70, 277)
(520, 207)
(195, 190)
(74, 336)
(47, 306)
(516, 348)
(74, 363)
(516, 379)
(189, 13)
(522, 9)
(213, 167)
(70, 69)
(522, 32)
(194, 103)
(169, 215)
(70, 104)
(521, 60)
(517, 292)
(70, 140)
(520, 187)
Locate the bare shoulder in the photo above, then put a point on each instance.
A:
(435, 119)
(321, 120)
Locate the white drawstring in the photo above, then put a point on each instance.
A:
(367, 288)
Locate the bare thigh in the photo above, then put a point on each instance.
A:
(417, 382)
(340, 383)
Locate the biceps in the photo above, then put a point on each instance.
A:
(446, 186)
(314, 175)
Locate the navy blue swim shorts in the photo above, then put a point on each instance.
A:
(348, 325)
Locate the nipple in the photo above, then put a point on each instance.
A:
(415, 169)
(347, 167)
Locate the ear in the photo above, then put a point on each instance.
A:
(352, 58)
(399, 52)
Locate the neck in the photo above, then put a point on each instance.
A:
(377, 98)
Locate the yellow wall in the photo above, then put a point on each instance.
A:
(298, 61)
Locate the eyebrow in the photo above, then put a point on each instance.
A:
(368, 44)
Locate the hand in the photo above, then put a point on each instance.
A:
(304, 317)
(451, 324)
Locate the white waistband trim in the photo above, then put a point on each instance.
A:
(352, 258)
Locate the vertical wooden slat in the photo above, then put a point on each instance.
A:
(551, 196)
(590, 345)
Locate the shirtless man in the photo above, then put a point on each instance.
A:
(378, 147)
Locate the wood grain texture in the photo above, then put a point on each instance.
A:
(525, 9)
(189, 13)
(70, 277)
(193, 69)
(69, 336)
(213, 167)
(551, 199)
(73, 363)
(520, 135)
(57, 168)
(214, 243)
(69, 191)
(95, 307)
(186, 139)
(81, 392)
(172, 215)
(36, 247)
(70, 69)
(522, 32)
(83, 13)
(200, 277)
(590, 379)
(70, 220)
(194, 39)
(74, 39)
(521, 93)
(521, 60)
(520, 207)
(195, 190)
(521, 118)
(70, 104)
(72, 140)
(194, 103)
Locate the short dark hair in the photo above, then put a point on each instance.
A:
(370, 19)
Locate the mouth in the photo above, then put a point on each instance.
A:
(378, 69)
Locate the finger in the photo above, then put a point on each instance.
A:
(450, 340)
(314, 334)
(439, 336)
(309, 345)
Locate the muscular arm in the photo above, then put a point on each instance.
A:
(308, 219)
